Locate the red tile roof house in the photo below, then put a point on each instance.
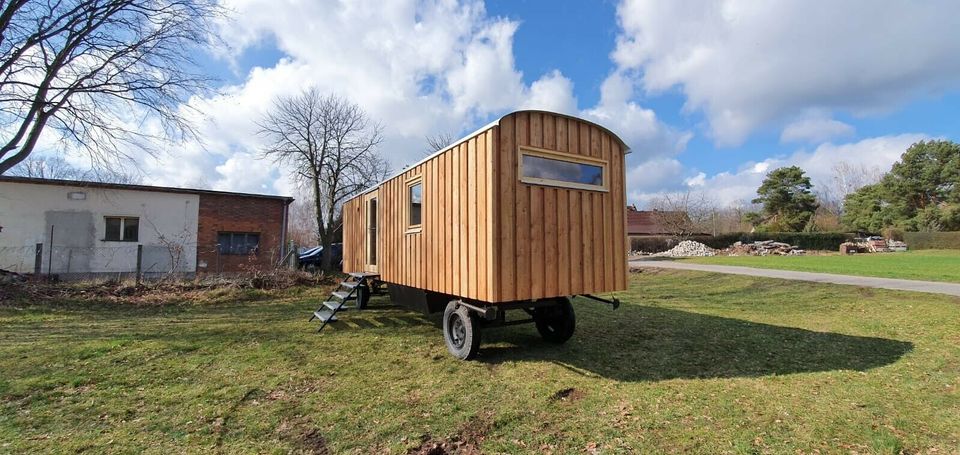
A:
(77, 229)
(648, 222)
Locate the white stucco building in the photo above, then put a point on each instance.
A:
(95, 228)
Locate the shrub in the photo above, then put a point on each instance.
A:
(892, 233)
(932, 240)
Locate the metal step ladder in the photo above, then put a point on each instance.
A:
(349, 290)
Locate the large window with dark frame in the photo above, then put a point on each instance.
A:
(238, 243)
(562, 169)
(121, 228)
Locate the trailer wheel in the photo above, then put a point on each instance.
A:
(363, 296)
(461, 331)
(556, 323)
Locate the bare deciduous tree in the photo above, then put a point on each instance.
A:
(330, 145)
(95, 70)
(303, 222)
(685, 213)
(438, 142)
(846, 178)
(55, 167)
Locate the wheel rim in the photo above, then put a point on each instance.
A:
(458, 331)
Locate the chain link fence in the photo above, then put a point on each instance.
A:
(130, 261)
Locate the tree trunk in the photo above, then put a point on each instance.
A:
(328, 232)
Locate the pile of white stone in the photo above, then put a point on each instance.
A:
(687, 248)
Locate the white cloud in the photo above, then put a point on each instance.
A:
(815, 129)
(747, 64)
(552, 92)
(731, 187)
(638, 127)
(419, 67)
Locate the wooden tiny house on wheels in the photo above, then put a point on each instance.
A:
(520, 215)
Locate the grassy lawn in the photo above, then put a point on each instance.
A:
(690, 363)
(930, 265)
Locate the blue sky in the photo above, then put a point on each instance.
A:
(710, 95)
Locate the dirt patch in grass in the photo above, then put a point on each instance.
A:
(304, 435)
(568, 394)
(465, 442)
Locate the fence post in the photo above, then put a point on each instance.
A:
(38, 261)
(139, 262)
(50, 260)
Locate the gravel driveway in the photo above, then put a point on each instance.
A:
(864, 281)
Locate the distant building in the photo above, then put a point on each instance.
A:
(655, 222)
(88, 228)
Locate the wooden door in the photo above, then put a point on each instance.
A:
(370, 237)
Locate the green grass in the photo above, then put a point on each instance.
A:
(930, 265)
(690, 363)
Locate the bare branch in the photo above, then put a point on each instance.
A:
(330, 146)
(97, 71)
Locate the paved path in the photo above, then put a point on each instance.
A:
(865, 281)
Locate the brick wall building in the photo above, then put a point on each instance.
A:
(76, 228)
(237, 232)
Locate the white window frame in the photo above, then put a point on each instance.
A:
(123, 228)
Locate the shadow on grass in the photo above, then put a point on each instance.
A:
(638, 343)
(633, 343)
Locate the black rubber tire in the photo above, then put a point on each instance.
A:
(556, 323)
(461, 331)
(363, 297)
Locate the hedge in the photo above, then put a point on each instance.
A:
(806, 240)
(932, 240)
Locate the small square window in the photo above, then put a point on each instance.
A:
(121, 228)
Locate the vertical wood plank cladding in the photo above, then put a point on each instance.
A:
(457, 227)
(536, 130)
(436, 226)
(562, 134)
(538, 276)
(426, 237)
(487, 236)
(471, 204)
(549, 131)
(564, 226)
(586, 240)
(464, 221)
(551, 256)
(448, 207)
(507, 208)
(584, 135)
(598, 257)
(522, 225)
(598, 217)
(493, 217)
(608, 218)
(482, 239)
(576, 243)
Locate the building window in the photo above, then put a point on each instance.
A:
(241, 243)
(121, 228)
(415, 205)
(545, 167)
